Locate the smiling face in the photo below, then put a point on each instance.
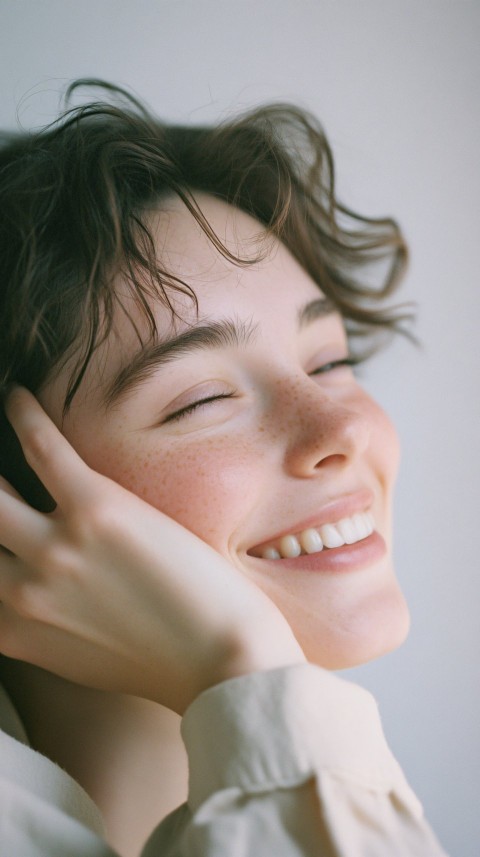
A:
(246, 425)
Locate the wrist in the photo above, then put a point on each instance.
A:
(258, 652)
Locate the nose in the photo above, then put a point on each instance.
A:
(322, 431)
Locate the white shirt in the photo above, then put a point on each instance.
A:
(288, 762)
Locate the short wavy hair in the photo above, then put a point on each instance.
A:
(76, 200)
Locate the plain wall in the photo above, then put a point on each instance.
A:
(396, 84)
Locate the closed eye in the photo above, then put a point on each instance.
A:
(189, 409)
(335, 364)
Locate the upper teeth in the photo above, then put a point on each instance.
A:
(344, 532)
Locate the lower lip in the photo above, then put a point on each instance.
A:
(346, 558)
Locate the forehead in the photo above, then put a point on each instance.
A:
(261, 271)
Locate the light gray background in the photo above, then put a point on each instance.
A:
(396, 84)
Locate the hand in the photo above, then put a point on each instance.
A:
(111, 593)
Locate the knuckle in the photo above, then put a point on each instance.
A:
(46, 555)
(55, 561)
(37, 446)
(27, 600)
(98, 520)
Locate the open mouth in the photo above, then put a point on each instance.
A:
(347, 531)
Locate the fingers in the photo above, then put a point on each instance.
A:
(8, 489)
(61, 470)
(22, 529)
(15, 520)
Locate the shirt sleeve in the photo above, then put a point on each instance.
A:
(291, 762)
(33, 827)
(43, 811)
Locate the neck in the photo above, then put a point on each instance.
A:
(125, 752)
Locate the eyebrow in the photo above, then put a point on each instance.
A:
(217, 334)
(317, 308)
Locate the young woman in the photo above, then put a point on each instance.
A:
(203, 527)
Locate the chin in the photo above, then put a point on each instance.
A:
(356, 639)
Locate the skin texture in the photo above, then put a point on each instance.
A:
(288, 443)
(109, 593)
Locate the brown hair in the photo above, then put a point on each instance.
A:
(75, 201)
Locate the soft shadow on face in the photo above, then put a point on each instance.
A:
(253, 437)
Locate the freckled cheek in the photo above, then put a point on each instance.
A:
(206, 487)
